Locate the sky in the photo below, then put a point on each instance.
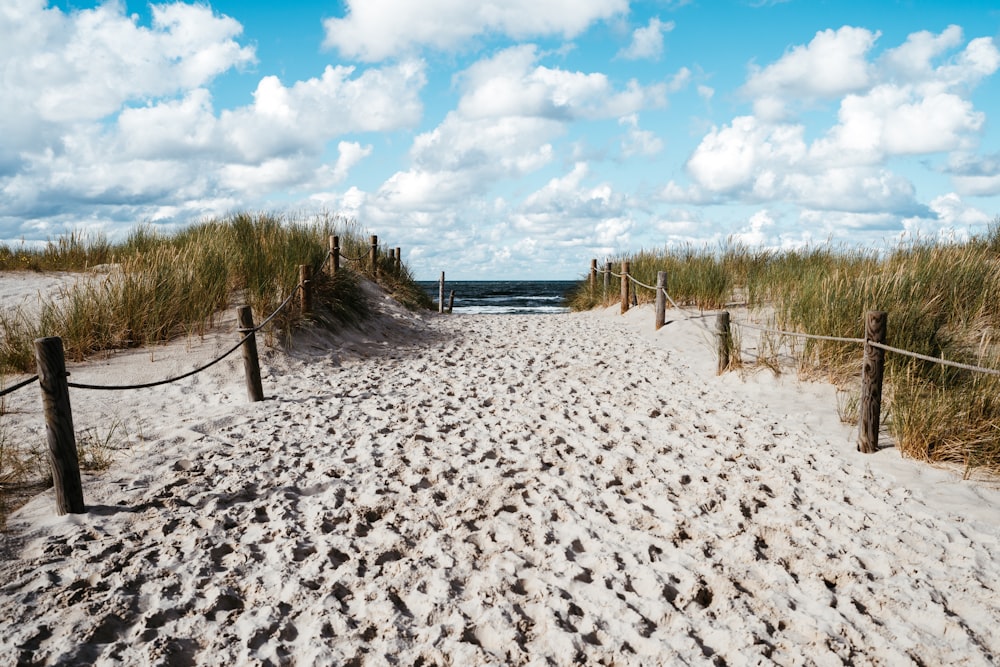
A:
(511, 139)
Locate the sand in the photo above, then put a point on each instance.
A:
(473, 490)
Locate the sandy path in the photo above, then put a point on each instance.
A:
(504, 490)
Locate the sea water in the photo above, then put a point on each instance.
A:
(504, 297)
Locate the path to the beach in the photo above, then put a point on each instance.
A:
(503, 490)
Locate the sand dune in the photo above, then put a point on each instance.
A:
(471, 490)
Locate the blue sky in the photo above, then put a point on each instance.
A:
(513, 139)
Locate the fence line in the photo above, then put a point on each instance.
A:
(52, 376)
(19, 385)
(872, 362)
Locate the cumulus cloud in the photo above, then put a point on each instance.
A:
(510, 112)
(912, 101)
(975, 175)
(105, 117)
(647, 42)
(374, 30)
(511, 83)
(569, 213)
(638, 141)
(832, 64)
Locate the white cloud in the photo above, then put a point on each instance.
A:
(755, 232)
(953, 213)
(512, 84)
(638, 141)
(374, 30)
(176, 152)
(975, 175)
(832, 64)
(85, 65)
(910, 103)
(732, 157)
(647, 42)
(510, 111)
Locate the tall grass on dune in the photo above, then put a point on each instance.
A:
(943, 300)
(162, 286)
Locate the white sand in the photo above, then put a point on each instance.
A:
(474, 490)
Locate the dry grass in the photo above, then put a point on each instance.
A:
(943, 300)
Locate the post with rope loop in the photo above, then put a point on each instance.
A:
(593, 274)
(373, 257)
(59, 425)
(624, 287)
(872, 371)
(305, 280)
(607, 278)
(441, 294)
(335, 254)
(661, 298)
(725, 341)
(251, 363)
(398, 261)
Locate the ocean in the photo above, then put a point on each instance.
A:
(504, 297)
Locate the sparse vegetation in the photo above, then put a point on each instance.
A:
(943, 300)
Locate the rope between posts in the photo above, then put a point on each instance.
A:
(836, 339)
(248, 332)
(19, 385)
(352, 259)
(944, 362)
(642, 284)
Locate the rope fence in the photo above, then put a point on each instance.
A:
(873, 360)
(52, 375)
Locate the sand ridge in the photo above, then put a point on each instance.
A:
(502, 490)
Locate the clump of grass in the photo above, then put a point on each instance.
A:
(943, 300)
(166, 286)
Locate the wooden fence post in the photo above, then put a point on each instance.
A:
(335, 253)
(593, 274)
(607, 278)
(59, 425)
(305, 279)
(872, 371)
(399, 261)
(373, 257)
(451, 301)
(661, 298)
(441, 294)
(624, 287)
(725, 341)
(251, 364)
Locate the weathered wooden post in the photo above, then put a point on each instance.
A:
(593, 275)
(63, 458)
(607, 278)
(872, 371)
(725, 341)
(451, 301)
(305, 280)
(373, 256)
(335, 253)
(251, 364)
(399, 261)
(661, 298)
(624, 287)
(441, 294)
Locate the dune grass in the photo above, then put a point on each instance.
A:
(155, 287)
(159, 287)
(942, 299)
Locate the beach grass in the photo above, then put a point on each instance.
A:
(158, 287)
(942, 300)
